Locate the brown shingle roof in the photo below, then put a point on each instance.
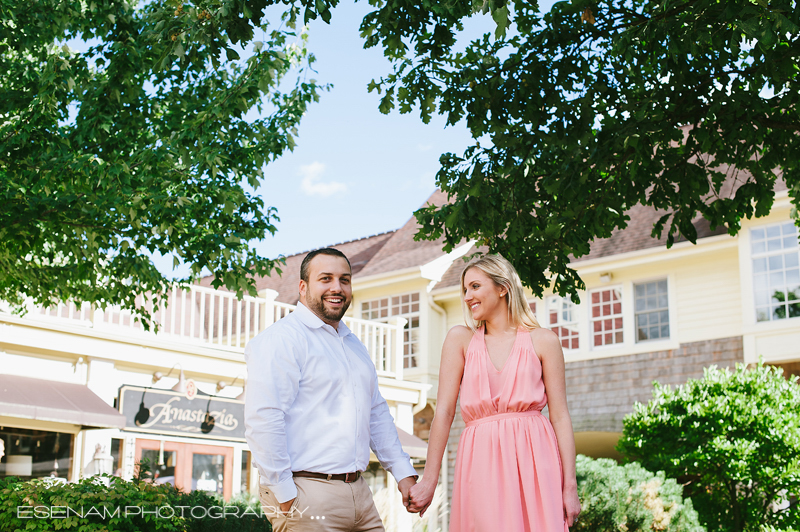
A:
(452, 277)
(359, 252)
(401, 251)
(636, 235)
(397, 250)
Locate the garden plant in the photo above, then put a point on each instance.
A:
(732, 439)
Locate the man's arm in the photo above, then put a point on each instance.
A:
(273, 378)
(386, 444)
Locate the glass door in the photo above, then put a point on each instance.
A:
(212, 469)
(189, 466)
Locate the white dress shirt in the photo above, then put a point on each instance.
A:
(312, 404)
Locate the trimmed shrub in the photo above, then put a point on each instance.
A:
(111, 504)
(93, 504)
(629, 498)
(732, 439)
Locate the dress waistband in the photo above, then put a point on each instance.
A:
(504, 415)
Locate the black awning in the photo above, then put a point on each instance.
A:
(62, 402)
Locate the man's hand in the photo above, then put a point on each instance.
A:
(286, 506)
(405, 485)
(421, 495)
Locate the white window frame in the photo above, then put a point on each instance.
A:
(410, 359)
(573, 325)
(622, 315)
(766, 255)
(636, 313)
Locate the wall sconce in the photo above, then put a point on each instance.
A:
(605, 277)
(180, 387)
(222, 385)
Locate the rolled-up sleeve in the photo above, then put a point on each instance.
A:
(384, 440)
(274, 363)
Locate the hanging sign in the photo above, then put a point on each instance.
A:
(169, 412)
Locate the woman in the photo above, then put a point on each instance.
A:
(515, 469)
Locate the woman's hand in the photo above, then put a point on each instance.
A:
(420, 496)
(572, 505)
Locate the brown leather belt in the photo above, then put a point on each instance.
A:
(346, 477)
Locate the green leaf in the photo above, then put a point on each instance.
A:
(501, 18)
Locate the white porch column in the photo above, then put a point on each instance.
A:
(267, 317)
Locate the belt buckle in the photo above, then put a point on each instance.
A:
(347, 477)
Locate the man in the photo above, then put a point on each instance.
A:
(313, 410)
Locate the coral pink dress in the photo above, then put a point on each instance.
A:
(508, 474)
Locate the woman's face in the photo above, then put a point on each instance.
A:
(483, 297)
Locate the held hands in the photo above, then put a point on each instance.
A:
(420, 497)
(404, 486)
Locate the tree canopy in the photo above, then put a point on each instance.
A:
(577, 115)
(732, 439)
(140, 143)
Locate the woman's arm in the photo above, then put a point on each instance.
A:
(451, 369)
(548, 347)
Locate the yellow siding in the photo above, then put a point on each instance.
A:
(709, 298)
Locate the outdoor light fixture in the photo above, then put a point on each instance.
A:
(605, 277)
(144, 413)
(221, 385)
(208, 421)
(180, 387)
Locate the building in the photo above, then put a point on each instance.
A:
(86, 391)
(649, 313)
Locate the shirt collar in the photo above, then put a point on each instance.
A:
(312, 321)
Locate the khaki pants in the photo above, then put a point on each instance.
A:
(324, 505)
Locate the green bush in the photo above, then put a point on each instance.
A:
(248, 516)
(111, 504)
(732, 439)
(629, 498)
(93, 504)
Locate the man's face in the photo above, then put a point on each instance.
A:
(328, 292)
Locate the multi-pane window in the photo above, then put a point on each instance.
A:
(562, 317)
(606, 317)
(652, 311)
(776, 273)
(405, 306)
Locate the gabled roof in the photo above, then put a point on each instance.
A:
(634, 237)
(397, 250)
(402, 251)
(359, 252)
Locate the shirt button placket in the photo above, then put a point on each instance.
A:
(355, 396)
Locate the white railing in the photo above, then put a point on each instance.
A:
(215, 318)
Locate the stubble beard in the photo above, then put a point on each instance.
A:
(318, 307)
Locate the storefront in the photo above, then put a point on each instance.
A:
(189, 439)
(42, 424)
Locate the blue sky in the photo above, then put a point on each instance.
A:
(355, 172)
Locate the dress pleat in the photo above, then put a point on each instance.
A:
(508, 475)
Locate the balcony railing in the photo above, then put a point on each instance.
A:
(202, 316)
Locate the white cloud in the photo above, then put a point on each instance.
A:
(424, 147)
(311, 181)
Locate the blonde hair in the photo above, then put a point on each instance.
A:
(502, 273)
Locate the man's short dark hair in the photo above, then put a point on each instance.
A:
(324, 251)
